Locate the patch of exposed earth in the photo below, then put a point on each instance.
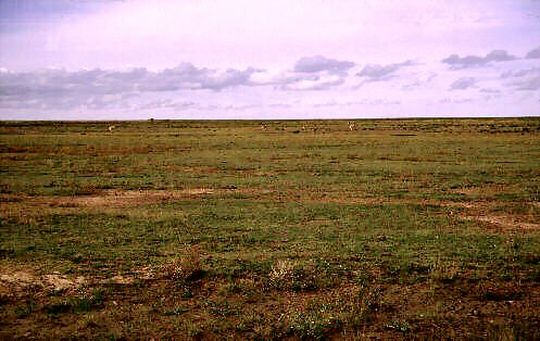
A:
(20, 283)
(503, 222)
(118, 198)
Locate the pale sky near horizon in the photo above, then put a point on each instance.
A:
(264, 59)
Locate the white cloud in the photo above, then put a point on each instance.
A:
(490, 91)
(524, 79)
(321, 82)
(375, 72)
(533, 54)
(308, 73)
(52, 82)
(532, 83)
(463, 83)
(320, 63)
(456, 61)
(418, 80)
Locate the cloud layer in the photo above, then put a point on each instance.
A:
(456, 61)
(320, 63)
(463, 83)
(375, 72)
(533, 54)
(202, 58)
(105, 82)
(190, 88)
(524, 79)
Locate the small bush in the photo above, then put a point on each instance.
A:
(186, 269)
(286, 275)
(282, 274)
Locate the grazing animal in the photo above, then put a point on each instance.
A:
(111, 128)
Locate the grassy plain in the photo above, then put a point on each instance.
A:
(425, 229)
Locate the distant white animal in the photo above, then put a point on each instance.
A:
(351, 125)
(111, 128)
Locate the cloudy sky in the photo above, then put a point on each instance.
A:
(136, 59)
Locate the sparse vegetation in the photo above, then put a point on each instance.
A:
(299, 230)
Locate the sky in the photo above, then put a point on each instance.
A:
(268, 59)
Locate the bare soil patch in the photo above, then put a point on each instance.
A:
(117, 198)
(20, 282)
(503, 222)
(483, 190)
(120, 198)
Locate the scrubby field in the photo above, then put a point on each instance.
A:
(294, 229)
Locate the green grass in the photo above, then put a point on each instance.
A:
(191, 229)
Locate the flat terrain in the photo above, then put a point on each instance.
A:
(426, 229)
